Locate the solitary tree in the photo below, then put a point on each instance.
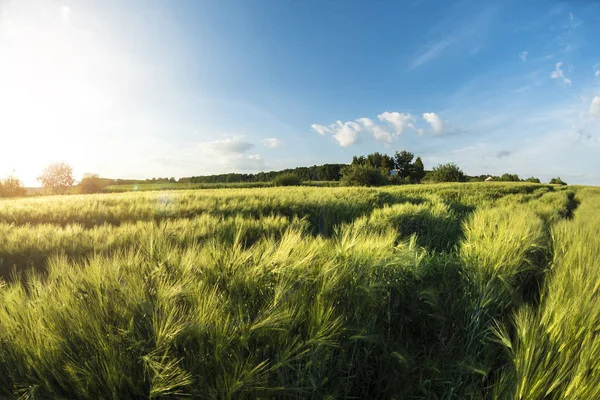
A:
(57, 178)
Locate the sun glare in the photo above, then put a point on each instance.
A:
(49, 94)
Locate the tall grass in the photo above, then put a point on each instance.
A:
(555, 351)
(430, 292)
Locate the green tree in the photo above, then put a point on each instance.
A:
(57, 178)
(557, 181)
(387, 163)
(403, 163)
(510, 178)
(447, 173)
(362, 175)
(418, 171)
(359, 160)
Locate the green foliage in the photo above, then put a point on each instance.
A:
(57, 178)
(403, 163)
(362, 175)
(287, 180)
(557, 181)
(92, 183)
(510, 178)
(445, 291)
(325, 172)
(12, 187)
(533, 180)
(446, 173)
(418, 170)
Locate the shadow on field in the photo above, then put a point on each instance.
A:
(437, 226)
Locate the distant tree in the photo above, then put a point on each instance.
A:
(92, 183)
(362, 175)
(375, 160)
(533, 180)
(510, 178)
(57, 178)
(418, 171)
(359, 160)
(447, 173)
(387, 163)
(12, 187)
(557, 181)
(403, 163)
(289, 179)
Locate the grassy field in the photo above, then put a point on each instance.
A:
(450, 291)
(190, 186)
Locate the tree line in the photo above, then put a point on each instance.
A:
(374, 169)
(325, 172)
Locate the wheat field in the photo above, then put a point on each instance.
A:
(448, 291)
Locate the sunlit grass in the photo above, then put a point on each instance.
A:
(475, 291)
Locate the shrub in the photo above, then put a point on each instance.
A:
(92, 183)
(362, 175)
(533, 180)
(446, 173)
(557, 181)
(12, 187)
(289, 179)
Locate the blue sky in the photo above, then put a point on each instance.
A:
(178, 88)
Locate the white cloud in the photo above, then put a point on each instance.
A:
(597, 73)
(224, 155)
(436, 123)
(420, 131)
(595, 108)
(559, 74)
(523, 56)
(378, 132)
(346, 133)
(272, 143)
(232, 145)
(320, 129)
(398, 120)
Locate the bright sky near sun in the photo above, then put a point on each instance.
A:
(139, 89)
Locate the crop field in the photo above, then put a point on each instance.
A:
(447, 291)
(140, 187)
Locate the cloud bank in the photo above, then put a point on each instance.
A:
(391, 126)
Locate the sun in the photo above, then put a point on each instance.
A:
(49, 92)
